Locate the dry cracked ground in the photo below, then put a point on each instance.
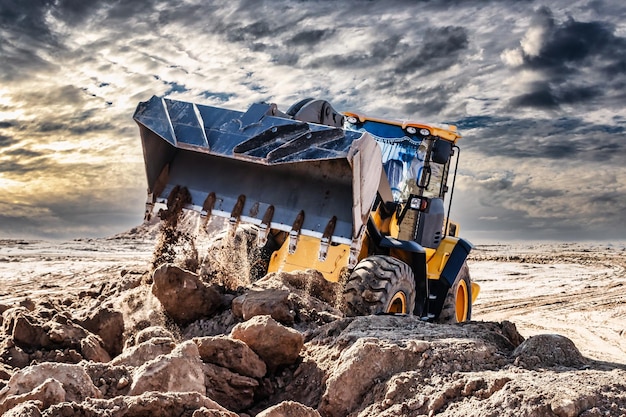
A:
(141, 325)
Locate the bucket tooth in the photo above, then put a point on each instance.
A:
(294, 233)
(149, 207)
(207, 207)
(355, 248)
(326, 238)
(235, 215)
(264, 228)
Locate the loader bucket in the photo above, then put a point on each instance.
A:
(253, 167)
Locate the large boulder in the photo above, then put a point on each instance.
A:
(45, 379)
(276, 344)
(229, 389)
(180, 371)
(28, 330)
(92, 349)
(26, 409)
(24, 328)
(145, 352)
(183, 295)
(151, 332)
(274, 303)
(46, 394)
(366, 361)
(546, 350)
(108, 324)
(232, 354)
(147, 404)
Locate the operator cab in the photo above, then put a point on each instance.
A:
(416, 160)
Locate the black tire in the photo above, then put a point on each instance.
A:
(457, 306)
(380, 284)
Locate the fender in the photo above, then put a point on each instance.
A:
(452, 263)
(455, 261)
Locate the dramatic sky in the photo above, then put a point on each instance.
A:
(537, 88)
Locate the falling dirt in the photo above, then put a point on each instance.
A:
(175, 246)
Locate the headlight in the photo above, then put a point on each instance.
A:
(352, 120)
(418, 203)
(424, 132)
(411, 130)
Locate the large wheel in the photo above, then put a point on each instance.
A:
(457, 306)
(380, 284)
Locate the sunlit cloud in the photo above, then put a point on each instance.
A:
(536, 91)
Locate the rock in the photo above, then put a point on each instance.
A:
(205, 412)
(24, 328)
(92, 349)
(152, 332)
(146, 404)
(183, 295)
(356, 371)
(232, 354)
(229, 389)
(219, 324)
(274, 303)
(289, 409)
(48, 393)
(145, 352)
(112, 381)
(64, 332)
(15, 357)
(30, 331)
(108, 324)
(5, 371)
(312, 282)
(510, 332)
(547, 350)
(274, 343)
(26, 409)
(73, 378)
(28, 304)
(180, 371)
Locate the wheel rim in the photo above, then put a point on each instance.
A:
(398, 304)
(462, 302)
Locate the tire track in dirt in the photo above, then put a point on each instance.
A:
(33, 269)
(577, 291)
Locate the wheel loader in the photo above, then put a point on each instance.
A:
(363, 200)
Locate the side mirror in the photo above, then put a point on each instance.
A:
(442, 149)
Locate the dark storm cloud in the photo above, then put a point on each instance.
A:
(437, 50)
(582, 61)
(6, 141)
(572, 44)
(541, 96)
(564, 138)
(27, 15)
(309, 37)
(23, 153)
(427, 102)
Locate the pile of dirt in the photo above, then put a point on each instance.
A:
(178, 341)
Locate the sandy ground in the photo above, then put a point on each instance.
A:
(578, 291)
